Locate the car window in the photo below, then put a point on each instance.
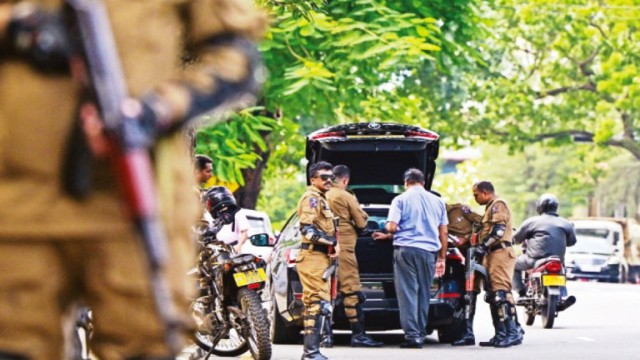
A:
(290, 232)
(601, 233)
(258, 225)
(590, 245)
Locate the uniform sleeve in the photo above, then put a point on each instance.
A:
(357, 214)
(307, 209)
(500, 213)
(395, 211)
(214, 17)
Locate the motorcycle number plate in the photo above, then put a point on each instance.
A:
(250, 277)
(554, 280)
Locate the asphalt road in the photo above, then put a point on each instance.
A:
(603, 324)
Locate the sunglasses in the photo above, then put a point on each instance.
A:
(326, 177)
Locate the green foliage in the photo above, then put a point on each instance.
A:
(232, 144)
(558, 69)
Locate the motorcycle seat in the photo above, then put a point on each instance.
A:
(543, 261)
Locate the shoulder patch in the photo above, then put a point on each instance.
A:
(313, 202)
(465, 209)
(494, 209)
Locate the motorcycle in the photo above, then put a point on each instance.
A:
(228, 312)
(544, 286)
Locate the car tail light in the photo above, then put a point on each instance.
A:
(422, 134)
(328, 135)
(456, 255)
(554, 267)
(444, 295)
(290, 256)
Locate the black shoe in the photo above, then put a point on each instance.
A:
(564, 304)
(411, 344)
(364, 340)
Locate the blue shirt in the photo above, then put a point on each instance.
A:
(418, 214)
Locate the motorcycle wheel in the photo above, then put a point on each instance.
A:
(549, 311)
(231, 344)
(259, 339)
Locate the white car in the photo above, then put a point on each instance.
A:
(259, 223)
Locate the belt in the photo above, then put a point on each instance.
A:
(501, 245)
(315, 247)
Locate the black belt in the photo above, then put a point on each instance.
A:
(315, 247)
(501, 245)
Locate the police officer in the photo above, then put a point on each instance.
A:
(56, 249)
(352, 219)
(462, 223)
(546, 235)
(494, 241)
(319, 246)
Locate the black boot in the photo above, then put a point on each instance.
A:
(507, 331)
(514, 330)
(327, 336)
(359, 337)
(467, 337)
(312, 338)
(495, 319)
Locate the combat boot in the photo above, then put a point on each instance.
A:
(359, 337)
(514, 330)
(312, 339)
(507, 329)
(496, 319)
(564, 304)
(467, 337)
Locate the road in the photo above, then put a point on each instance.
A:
(603, 324)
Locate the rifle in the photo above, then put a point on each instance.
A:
(95, 64)
(473, 265)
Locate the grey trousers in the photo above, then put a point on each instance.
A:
(414, 270)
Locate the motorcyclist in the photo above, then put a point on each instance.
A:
(221, 204)
(546, 235)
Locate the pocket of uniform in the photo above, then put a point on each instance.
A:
(512, 253)
(300, 257)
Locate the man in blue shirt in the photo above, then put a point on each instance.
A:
(418, 221)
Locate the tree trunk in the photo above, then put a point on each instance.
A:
(247, 195)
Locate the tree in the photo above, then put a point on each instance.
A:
(560, 72)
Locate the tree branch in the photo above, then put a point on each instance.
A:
(590, 86)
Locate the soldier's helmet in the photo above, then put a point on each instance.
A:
(221, 204)
(547, 203)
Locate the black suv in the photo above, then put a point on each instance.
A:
(377, 154)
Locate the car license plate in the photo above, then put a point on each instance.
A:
(250, 277)
(554, 280)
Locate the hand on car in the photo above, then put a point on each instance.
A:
(377, 235)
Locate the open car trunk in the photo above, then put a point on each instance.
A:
(378, 154)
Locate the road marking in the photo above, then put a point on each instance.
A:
(587, 339)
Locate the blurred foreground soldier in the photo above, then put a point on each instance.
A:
(59, 246)
(494, 241)
(319, 245)
(352, 219)
(418, 221)
(545, 235)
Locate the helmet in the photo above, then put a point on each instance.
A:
(547, 203)
(221, 204)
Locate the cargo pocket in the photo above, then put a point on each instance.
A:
(300, 257)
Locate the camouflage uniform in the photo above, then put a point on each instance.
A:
(55, 249)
